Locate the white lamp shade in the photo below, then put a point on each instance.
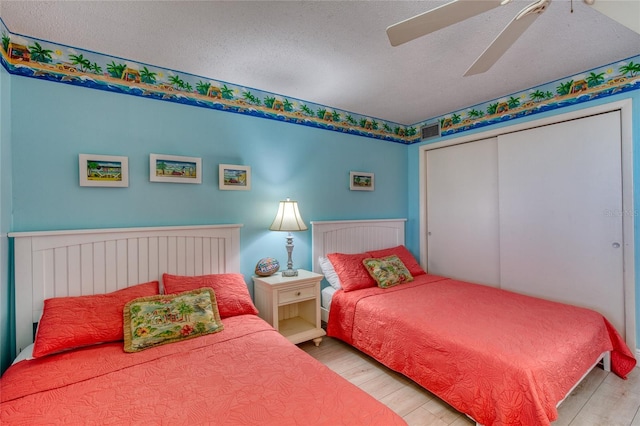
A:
(288, 218)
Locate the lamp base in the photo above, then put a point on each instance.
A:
(290, 273)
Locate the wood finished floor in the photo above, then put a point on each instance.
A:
(602, 399)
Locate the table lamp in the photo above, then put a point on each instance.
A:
(288, 219)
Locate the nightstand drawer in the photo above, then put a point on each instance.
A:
(297, 294)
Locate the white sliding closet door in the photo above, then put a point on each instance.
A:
(462, 212)
(560, 205)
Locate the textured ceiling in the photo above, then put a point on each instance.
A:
(334, 53)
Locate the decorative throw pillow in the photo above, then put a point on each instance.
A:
(387, 271)
(329, 273)
(231, 291)
(404, 255)
(351, 272)
(158, 320)
(73, 322)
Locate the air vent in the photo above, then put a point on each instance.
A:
(430, 131)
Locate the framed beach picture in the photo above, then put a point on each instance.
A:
(176, 169)
(234, 178)
(361, 181)
(103, 170)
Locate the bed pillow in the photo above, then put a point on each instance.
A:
(387, 271)
(350, 270)
(329, 273)
(25, 355)
(405, 256)
(231, 291)
(72, 322)
(158, 320)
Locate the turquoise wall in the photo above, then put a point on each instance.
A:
(54, 122)
(6, 293)
(413, 158)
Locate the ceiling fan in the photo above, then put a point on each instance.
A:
(460, 10)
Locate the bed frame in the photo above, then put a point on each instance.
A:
(96, 261)
(356, 236)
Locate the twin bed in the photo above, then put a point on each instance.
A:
(237, 371)
(501, 358)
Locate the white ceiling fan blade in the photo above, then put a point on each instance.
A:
(626, 12)
(438, 18)
(505, 39)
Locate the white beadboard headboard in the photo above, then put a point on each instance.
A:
(96, 261)
(354, 236)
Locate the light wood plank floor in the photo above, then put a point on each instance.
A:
(602, 399)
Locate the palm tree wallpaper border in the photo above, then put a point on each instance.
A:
(608, 80)
(30, 57)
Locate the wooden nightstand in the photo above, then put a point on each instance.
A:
(291, 304)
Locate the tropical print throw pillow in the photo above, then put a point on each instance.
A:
(157, 320)
(387, 271)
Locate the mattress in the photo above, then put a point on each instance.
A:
(326, 295)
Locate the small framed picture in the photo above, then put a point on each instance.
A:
(234, 178)
(361, 181)
(103, 170)
(176, 169)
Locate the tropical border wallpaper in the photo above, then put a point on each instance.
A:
(608, 80)
(30, 57)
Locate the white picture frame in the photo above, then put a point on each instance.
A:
(361, 181)
(234, 177)
(103, 170)
(175, 169)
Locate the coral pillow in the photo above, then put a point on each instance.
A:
(231, 291)
(72, 322)
(404, 255)
(351, 272)
(158, 320)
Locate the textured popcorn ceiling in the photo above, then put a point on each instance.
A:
(334, 53)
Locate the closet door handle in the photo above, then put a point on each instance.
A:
(615, 245)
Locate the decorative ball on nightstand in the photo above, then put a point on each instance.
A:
(267, 266)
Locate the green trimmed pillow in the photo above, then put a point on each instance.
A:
(157, 320)
(387, 271)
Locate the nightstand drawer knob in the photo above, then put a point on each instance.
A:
(298, 293)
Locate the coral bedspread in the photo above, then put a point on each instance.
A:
(247, 374)
(500, 357)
